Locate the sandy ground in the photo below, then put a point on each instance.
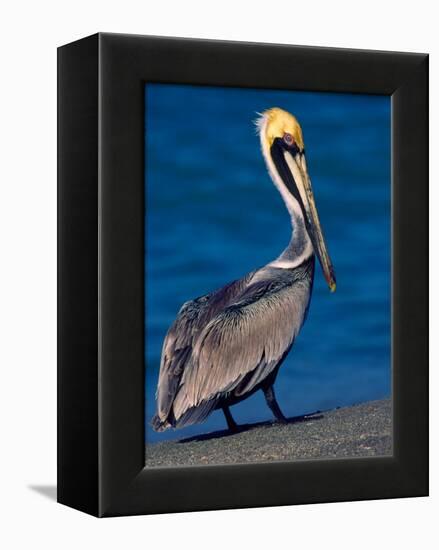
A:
(360, 430)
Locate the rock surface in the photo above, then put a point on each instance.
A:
(360, 430)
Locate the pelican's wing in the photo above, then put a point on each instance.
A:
(179, 341)
(241, 345)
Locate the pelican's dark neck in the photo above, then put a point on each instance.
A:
(300, 242)
(299, 248)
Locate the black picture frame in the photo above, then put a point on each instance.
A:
(101, 274)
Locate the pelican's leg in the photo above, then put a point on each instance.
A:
(273, 404)
(232, 425)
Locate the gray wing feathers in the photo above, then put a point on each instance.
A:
(243, 343)
(179, 341)
(177, 349)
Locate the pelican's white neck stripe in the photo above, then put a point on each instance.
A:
(291, 264)
(291, 203)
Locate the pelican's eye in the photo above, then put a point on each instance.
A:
(288, 139)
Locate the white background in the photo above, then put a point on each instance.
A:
(30, 33)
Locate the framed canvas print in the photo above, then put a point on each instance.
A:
(243, 288)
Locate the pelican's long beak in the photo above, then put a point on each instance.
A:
(284, 152)
(317, 238)
(297, 165)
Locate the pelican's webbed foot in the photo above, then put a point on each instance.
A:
(274, 405)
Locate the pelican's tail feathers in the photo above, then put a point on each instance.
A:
(159, 425)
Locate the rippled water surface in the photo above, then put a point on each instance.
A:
(212, 215)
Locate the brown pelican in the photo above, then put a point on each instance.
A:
(228, 344)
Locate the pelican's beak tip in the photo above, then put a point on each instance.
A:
(332, 283)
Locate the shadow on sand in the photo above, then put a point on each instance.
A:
(316, 415)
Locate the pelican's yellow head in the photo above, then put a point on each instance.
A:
(281, 124)
(284, 152)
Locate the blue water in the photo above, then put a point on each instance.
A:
(213, 215)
